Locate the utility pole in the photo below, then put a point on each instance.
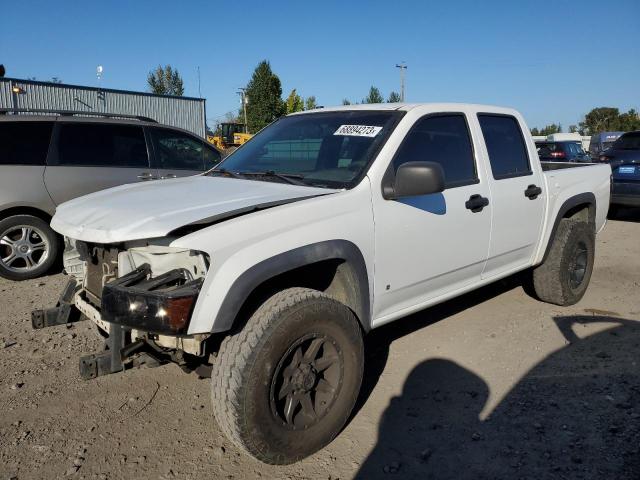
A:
(245, 100)
(199, 92)
(402, 66)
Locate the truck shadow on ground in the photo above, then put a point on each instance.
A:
(574, 415)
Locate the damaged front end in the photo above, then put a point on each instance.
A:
(141, 297)
(161, 304)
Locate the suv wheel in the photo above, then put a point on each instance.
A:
(28, 247)
(284, 386)
(564, 276)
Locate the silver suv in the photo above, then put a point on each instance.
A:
(48, 159)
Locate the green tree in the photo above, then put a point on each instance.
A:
(374, 96)
(264, 92)
(535, 131)
(310, 103)
(629, 121)
(573, 129)
(601, 119)
(550, 129)
(165, 81)
(294, 102)
(346, 101)
(394, 97)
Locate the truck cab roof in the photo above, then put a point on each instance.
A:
(444, 107)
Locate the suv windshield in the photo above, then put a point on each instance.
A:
(325, 149)
(628, 141)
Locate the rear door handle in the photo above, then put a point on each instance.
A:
(168, 175)
(532, 192)
(146, 176)
(476, 203)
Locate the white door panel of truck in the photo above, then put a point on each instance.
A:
(414, 264)
(517, 204)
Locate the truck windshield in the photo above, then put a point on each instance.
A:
(324, 149)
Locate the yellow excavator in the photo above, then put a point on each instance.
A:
(231, 136)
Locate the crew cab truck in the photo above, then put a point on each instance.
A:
(327, 224)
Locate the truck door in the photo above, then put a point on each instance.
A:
(518, 198)
(431, 245)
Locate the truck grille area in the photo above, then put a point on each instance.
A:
(101, 268)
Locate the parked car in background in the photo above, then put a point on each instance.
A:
(566, 151)
(624, 158)
(602, 141)
(48, 159)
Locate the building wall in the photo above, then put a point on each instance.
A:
(182, 112)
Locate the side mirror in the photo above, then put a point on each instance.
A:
(416, 178)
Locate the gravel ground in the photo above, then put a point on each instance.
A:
(491, 385)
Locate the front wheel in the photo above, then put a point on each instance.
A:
(284, 386)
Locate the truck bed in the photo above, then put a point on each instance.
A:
(546, 166)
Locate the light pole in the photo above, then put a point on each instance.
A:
(243, 95)
(402, 66)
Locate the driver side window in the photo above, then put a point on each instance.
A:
(443, 139)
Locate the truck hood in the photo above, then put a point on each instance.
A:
(154, 209)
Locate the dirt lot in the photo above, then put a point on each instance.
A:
(491, 385)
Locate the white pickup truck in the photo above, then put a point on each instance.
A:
(329, 223)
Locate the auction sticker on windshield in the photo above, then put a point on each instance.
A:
(357, 130)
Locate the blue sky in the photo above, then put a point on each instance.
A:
(552, 60)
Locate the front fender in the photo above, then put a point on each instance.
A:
(248, 250)
(246, 283)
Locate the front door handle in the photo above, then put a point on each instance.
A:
(476, 203)
(168, 175)
(146, 176)
(532, 192)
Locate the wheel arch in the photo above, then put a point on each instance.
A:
(25, 210)
(581, 206)
(336, 267)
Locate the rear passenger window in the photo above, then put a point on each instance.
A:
(24, 143)
(505, 145)
(102, 145)
(443, 139)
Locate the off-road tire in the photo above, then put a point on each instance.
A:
(552, 281)
(247, 363)
(52, 239)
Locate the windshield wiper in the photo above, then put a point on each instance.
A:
(224, 171)
(292, 178)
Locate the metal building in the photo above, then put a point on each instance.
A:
(182, 112)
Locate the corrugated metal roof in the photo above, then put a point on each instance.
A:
(182, 112)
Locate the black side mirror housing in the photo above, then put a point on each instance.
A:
(415, 178)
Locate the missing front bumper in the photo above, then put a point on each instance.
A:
(63, 313)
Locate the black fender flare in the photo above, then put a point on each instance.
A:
(248, 281)
(587, 198)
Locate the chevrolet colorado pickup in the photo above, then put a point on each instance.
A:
(271, 267)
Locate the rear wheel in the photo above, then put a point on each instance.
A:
(564, 276)
(28, 247)
(284, 386)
